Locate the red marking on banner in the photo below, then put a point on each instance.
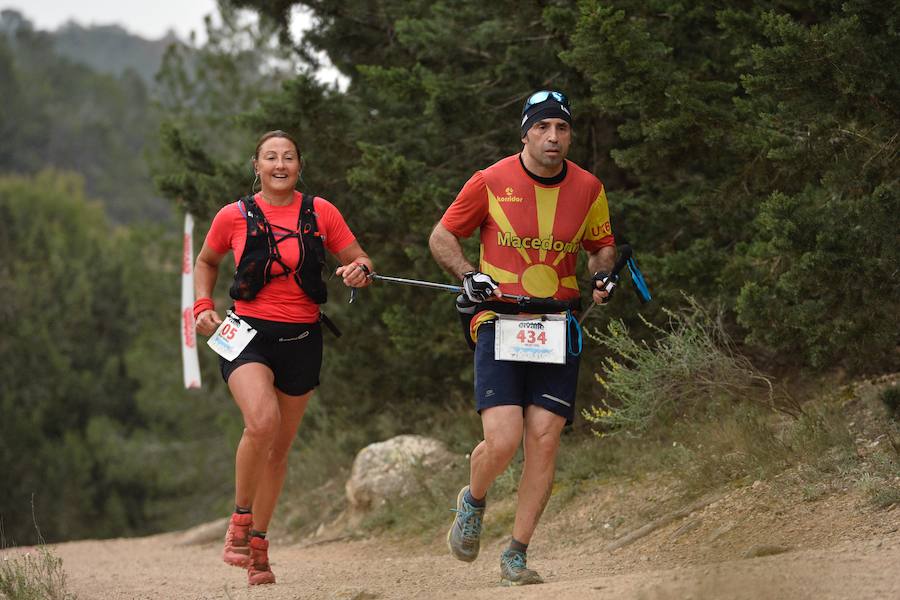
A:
(186, 255)
(187, 322)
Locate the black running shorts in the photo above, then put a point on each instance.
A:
(293, 351)
(504, 382)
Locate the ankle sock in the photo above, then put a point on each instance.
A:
(468, 497)
(257, 533)
(242, 510)
(518, 546)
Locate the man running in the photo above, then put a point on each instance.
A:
(535, 210)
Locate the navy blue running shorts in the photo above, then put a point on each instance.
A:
(506, 382)
(293, 351)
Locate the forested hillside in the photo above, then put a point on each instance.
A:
(61, 112)
(111, 49)
(98, 436)
(749, 151)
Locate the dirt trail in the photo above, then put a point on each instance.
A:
(837, 547)
(153, 568)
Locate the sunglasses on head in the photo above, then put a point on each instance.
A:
(541, 96)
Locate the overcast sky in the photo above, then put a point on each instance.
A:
(149, 19)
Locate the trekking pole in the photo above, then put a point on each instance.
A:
(458, 289)
(624, 255)
(445, 287)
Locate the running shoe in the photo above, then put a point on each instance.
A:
(237, 540)
(259, 572)
(513, 570)
(464, 536)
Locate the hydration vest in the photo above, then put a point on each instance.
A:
(261, 253)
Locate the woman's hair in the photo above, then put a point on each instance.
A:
(275, 134)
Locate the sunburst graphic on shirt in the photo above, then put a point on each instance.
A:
(539, 279)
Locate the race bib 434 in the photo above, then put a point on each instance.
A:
(531, 339)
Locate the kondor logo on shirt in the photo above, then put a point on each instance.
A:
(510, 196)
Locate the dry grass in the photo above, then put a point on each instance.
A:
(33, 575)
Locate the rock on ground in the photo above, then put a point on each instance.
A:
(394, 468)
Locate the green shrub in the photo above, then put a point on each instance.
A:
(691, 367)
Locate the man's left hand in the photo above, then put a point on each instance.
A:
(604, 286)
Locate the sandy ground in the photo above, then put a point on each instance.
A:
(837, 547)
(153, 568)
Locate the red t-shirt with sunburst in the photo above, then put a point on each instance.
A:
(531, 233)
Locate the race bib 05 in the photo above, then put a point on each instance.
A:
(231, 337)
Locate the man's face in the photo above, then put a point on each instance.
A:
(547, 142)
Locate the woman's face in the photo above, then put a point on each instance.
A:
(278, 165)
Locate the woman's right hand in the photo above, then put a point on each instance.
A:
(207, 322)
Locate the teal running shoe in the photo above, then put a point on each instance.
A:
(464, 536)
(513, 570)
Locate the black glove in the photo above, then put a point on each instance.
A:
(603, 281)
(478, 286)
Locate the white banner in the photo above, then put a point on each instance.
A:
(188, 333)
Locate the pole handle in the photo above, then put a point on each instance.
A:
(624, 254)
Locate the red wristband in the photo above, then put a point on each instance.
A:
(202, 304)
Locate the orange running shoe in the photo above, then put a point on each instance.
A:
(237, 540)
(259, 571)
